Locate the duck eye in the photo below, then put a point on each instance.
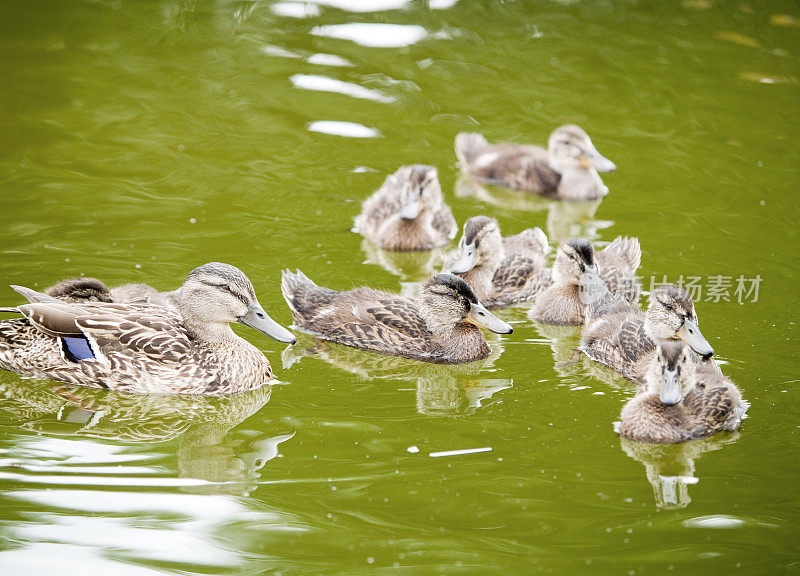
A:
(226, 288)
(669, 307)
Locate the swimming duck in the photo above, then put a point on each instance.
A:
(145, 348)
(624, 338)
(441, 325)
(501, 271)
(567, 170)
(681, 400)
(87, 289)
(580, 275)
(408, 212)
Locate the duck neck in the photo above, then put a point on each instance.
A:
(580, 183)
(209, 332)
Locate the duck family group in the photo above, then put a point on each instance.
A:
(137, 339)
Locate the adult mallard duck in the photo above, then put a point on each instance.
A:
(681, 400)
(567, 170)
(624, 338)
(146, 348)
(408, 213)
(441, 325)
(581, 275)
(87, 289)
(501, 271)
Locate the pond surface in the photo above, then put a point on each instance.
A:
(141, 139)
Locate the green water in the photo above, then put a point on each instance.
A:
(141, 139)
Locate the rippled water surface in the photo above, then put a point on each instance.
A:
(141, 139)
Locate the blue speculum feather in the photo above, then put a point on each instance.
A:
(78, 348)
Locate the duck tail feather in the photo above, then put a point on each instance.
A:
(468, 146)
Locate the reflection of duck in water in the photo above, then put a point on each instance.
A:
(681, 400)
(408, 212)
(565, 220)
(670, 468)
(201, 424)
(567, 170)
(443, 389)
(501, 271)
(146, 348)
(441, 326)
(410, 267)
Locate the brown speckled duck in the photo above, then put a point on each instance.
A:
(87, 289)
(624, 338)
(581, 275)
(567, 170)
(145, 348)
(681, 400)
(501, 271)
(441, 325)
(408, 213)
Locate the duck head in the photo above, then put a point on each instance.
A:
(421, 190)
(447, 302)
(480, 244)
(671, 374)
(570, 147)
(671, 316)
(80, 290)
(216, 294)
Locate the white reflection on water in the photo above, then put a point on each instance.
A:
(326, 84)
(295, 9)
(362, 5)
(349, 129)
(374, 35)
(46, 558)
(328, 60)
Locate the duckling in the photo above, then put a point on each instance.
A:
(681, 401)
(624, 338)
(440, 326)
(145, 348)
(408, 212)
(86, 289)
(567, 170)
(581, 275)
(501, 271)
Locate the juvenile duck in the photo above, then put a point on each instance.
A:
(408, 213)
(501, 271)
(624, 338)
(441, 325)
(681, 400)
(93, 290)
(567, 170)
(580, 276)
(145, 348)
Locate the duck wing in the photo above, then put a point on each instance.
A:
(617, 265)
(444, 222)
(518, 278)
(515, 166)
(531, 242)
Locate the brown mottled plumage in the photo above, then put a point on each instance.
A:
(681, 400)
(581, 276)
(408, 213)
(145, 348)
(501, 271)
(93, 290)
(439, 326)
(567, 170)
(624, 338)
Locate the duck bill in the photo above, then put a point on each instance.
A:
(670, 388)
(481, 317)
(690, 333)
(257, 319)
(412, 207)
(602, 164)
(466, 261)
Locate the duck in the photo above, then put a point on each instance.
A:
(408, 212)
(501, 271)
(142, 347)
(624, 338)
(681, 400)
(88, 289)
(441, 325)
(580, 275)
(567, 170)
